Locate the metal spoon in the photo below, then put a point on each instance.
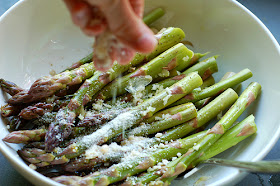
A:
(266, 167)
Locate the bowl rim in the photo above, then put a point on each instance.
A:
(18, 164)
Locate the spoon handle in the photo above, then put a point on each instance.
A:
(260, 166)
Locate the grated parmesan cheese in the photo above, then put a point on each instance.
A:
(186, 58)
(158, 135)
(196, 147)
(165, 99)
(164, 73)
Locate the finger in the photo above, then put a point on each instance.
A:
(138, 7)
(80, 12)
(128, 27)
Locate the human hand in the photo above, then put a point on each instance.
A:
(117, 26)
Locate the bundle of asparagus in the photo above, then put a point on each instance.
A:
(84, 127)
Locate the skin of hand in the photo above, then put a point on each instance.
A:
(123, 18)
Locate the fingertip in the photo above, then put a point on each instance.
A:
(146, 43)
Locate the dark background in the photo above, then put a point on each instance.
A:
(266, 10)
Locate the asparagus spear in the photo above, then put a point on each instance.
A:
(204, 68)
(165, 75)
(41, 158)
(245, 99)
(168, 60)
(132, 117)
(134, 165)
(190, 62)
(10, 87)
(208, 82)
(10, 110)
(25, 136)
(197, 95)
(81, 62)
(36, 135)
(48, 85)
(180, 67)
(157, 116)
(204, 115)
(35, 111)
(232, 137)
(61, 128)
(169, 111)
(166, 123)
(153, 16)
(201, 103)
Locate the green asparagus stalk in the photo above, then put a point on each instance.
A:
(48, 85)
(180, 67)
(204, 115)
(157, 116)
(197, 95)
(245, 99)
(232, 137)
(166, 61)
(204, 68)
(201, 103)
(91, 86)
(133, 166)
(132, 117)
(190, 61)
(81, 62)
(41, 158)
(169, 111)
(166, 123)
(208, 82)
(153, 16)
(166, 75)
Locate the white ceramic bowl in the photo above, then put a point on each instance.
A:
(46, 39)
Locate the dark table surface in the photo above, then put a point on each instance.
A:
(269, 13)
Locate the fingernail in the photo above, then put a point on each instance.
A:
(146, 43)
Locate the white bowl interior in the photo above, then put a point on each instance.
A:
(47, 40)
